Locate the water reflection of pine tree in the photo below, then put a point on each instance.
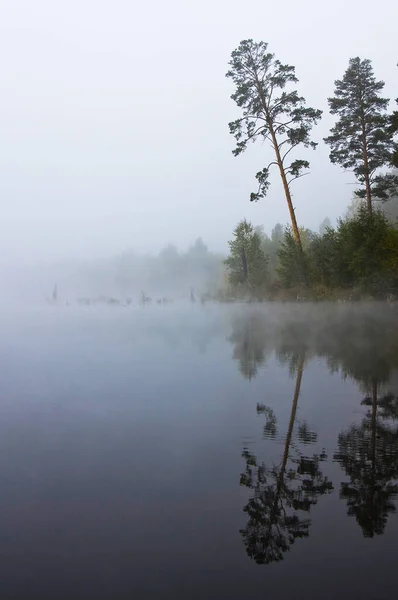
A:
(281, 495)
(368, 453)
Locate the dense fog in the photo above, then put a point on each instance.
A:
(172, 274)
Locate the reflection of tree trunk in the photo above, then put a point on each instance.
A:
(299, 376)
(374, 414)
(373, 441)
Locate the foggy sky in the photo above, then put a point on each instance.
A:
(114, 118)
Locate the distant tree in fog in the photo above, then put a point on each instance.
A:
(354, 206)
(325, 225)
(277, 233)
(272, 114)
(199, 248)
(390, 206)
(169, 253)
(270, 246)
(361, 139)
(246, 263)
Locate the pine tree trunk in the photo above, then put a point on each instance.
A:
(366, 165)
(368, 195)
(296, 232)
(288, 195)
(286, 189)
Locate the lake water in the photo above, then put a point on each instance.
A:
(199, 452)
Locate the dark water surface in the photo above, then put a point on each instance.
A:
(199, 452)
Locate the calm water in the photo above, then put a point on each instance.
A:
(199, 452)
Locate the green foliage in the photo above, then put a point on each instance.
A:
(361, 139)
(292, 262)
(363, 251)
(306, 236)
(322, 259)
(269, 112)
(360, 256)
(247, 263)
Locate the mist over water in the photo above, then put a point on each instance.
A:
(199, 451)
(187, 417)
(171, 273)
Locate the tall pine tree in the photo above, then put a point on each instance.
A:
(361, 139)
(271, 114)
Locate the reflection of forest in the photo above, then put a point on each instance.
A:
(359, 342)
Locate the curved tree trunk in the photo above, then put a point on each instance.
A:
(288, 441)
(296, 231)
(265, 108)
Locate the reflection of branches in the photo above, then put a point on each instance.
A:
(270, 420)
(280, 492)
(368, 453)
(305, 435)
(270, 531)
(387, 405)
